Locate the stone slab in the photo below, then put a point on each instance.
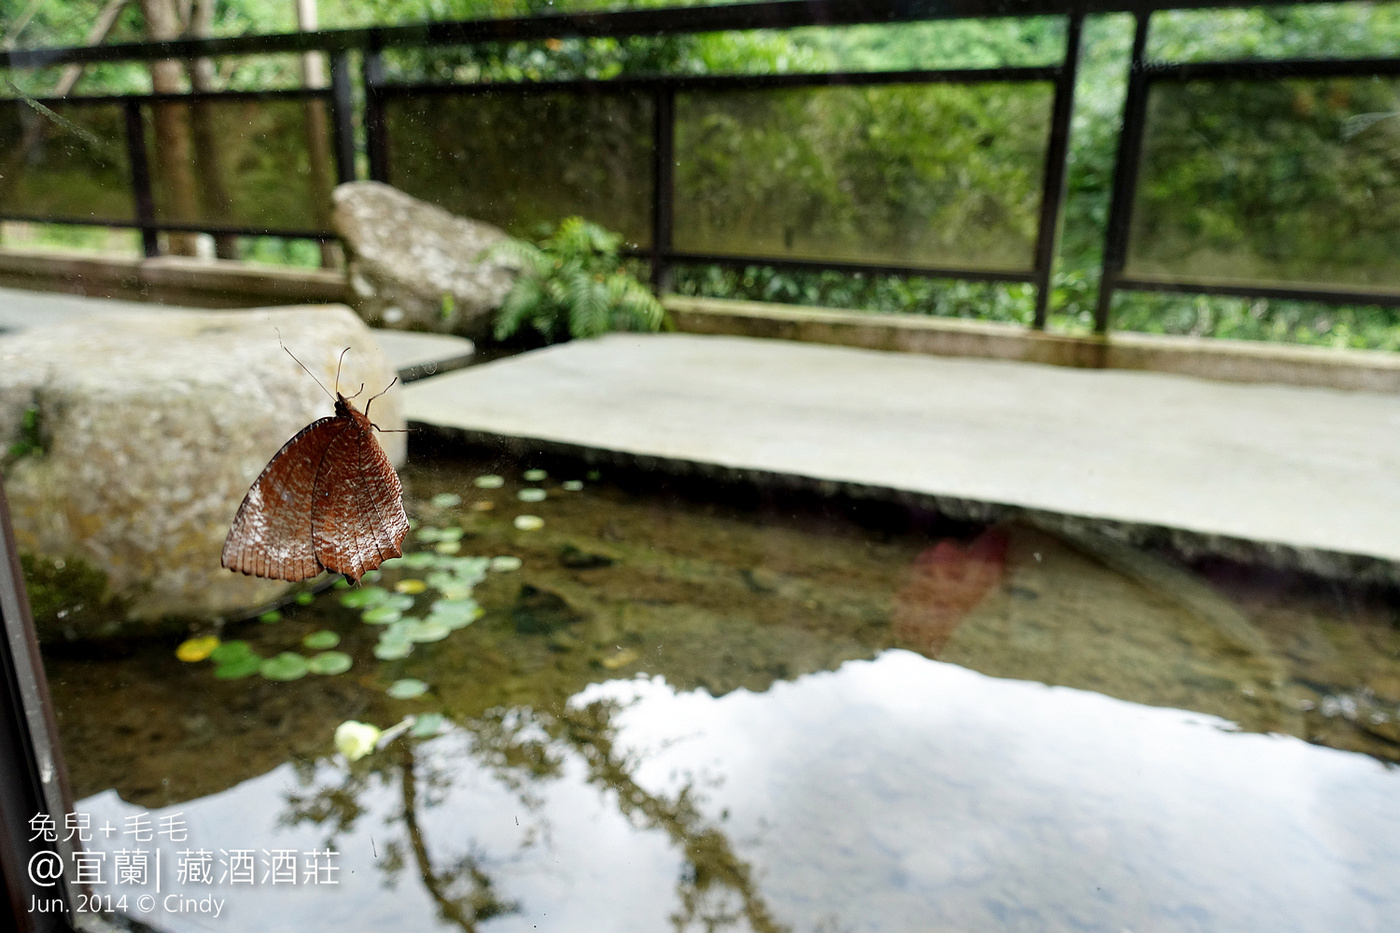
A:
(1305, 477)
(411, 355)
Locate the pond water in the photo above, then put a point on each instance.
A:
(720, 709)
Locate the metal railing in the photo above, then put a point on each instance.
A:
(662, 90)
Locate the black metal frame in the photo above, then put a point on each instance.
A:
(1142, 76)
(775, 14)
(143, 218)
(664, 90)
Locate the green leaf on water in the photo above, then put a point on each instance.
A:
(317, 641)
(238, 667)
(571, 485)
(427, 630)
(446, 500)
(505, 563)
(232, 651)
(381, 615)
(272, 615)
(305, 599)
(489, 481)
(534, 476)
(286, 666)
(393, 650)
(407, 689)
(330, 662)
(531, 494)
(428, 724)
(364, 597)
(455, 613)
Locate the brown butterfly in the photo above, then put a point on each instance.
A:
(328, 500)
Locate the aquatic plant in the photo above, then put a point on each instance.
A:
(573, 284)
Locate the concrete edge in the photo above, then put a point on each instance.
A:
(1207, 358)
(1335, 565)
(183, 280)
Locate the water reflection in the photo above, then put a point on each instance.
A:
(895, 794)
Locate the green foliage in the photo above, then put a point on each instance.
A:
(573, 284)
(31, 435)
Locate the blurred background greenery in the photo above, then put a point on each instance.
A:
(1293, 181)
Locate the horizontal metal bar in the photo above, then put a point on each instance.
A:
(783, 14)
(1323, 294)
(170, 227)
(683, 83)
(192, 97)
(1270, 69)
(821, 265)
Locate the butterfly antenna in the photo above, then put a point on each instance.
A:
(303, 366)
(339, 363)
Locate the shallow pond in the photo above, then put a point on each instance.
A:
(720, 709)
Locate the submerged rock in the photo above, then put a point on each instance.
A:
(130, 438)
(414, 266)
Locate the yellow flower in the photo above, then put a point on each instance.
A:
(197, 649)
(355, 740)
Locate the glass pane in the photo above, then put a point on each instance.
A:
(242, 163)
(1291, 182)
(70, 162)
(518, 160)
(933, 175)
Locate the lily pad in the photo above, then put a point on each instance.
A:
(445, 500)
(317, 641)
(364, 597)
(272, 615)
(329, 662)
(428, 724)
(455, 613)
(410, 586)
(236, 668)
(571, 485)
(381, 615)
(436, 535)
(448, 547)
(286, 666)
(531, 494)
(427, 630)
(407, 689)
(534, 476)
(341, 584)
(505, 563)
(393, 650)
(529, 522)
(489, 481)
(231, 651)
(305, 599)
(197, 649)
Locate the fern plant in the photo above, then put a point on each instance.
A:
(573, 283)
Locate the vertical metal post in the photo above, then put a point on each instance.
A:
(343, 117)
(663, 179)
(1125, 171)
(376, 139)
(141, 178)
(1056, 158)
(33, 779)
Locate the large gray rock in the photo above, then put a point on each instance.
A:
(405, 255)
(151, 427)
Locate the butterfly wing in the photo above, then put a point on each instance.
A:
(357, 521)
(271, 534)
